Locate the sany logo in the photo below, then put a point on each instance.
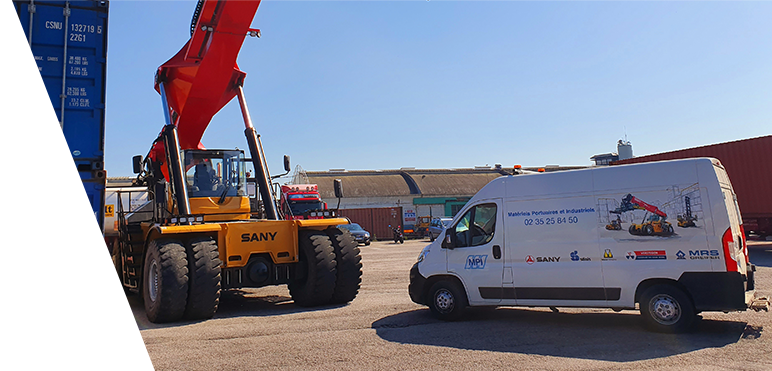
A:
(476, 261)
(542, 259)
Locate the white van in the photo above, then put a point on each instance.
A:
(666, 235)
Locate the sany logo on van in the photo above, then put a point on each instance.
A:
(541, 259)
(476, 261)
(262, 236)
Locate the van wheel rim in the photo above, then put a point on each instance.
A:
(665, 309)
(152, 281)
(444, 300)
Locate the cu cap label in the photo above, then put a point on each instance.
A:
(475, 261)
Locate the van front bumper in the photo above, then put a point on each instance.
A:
(416, 287)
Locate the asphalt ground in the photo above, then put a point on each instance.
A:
(383, 329)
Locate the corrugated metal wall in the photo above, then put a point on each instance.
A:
(748, 163)
(375, 220)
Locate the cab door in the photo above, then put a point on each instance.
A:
(475, 254)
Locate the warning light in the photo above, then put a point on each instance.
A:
(541, 170)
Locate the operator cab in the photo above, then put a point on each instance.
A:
(215, 173)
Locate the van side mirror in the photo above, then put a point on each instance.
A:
(137, 162)
(450, 240)
(338, 185)
(286, 163)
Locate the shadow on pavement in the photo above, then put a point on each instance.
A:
(604, 336)
(760, 254)
(233, 303)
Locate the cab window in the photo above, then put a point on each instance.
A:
(477, 226)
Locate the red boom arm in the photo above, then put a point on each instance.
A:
(203, 76)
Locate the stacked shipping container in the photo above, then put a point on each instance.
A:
(749, 165)
(58, 70)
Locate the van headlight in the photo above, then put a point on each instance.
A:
(423, 253)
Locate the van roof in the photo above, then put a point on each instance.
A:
(613, 179)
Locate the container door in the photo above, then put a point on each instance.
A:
(58, 85)
(478, 255)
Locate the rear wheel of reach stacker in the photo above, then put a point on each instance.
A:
(165, 280)
(349, 265)
(316, 282)
(204, 278)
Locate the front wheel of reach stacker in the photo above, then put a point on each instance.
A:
(316, 282)
(165, 280)
(349, 265)
(204, 275)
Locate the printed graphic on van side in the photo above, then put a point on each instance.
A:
(645, 216)
(647, 255)
(476, 261)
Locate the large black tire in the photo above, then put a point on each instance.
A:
(632, 230)
(348, 267)
(447, 300)
(116, 276)
(667, 309)
(648, 230)
(165, 280)
(317, 257)
(204, 267)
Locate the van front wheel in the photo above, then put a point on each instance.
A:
(665, 308)
(447, 300)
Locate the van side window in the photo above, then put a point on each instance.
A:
(477, 226)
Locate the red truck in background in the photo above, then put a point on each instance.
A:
(302, 201)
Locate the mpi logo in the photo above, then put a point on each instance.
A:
(475, 261)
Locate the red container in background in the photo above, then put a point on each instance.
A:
(375, 220)
(749, 165)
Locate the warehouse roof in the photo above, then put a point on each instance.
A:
(400, 182)
(410, 181)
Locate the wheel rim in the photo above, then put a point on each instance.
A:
(443, 299)
(665, 309)
(152, 281)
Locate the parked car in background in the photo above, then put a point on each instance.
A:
(437, 226)
(361, 235)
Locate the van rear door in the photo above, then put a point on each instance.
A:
(733, 238)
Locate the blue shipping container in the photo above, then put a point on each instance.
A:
(58, 67)
(56, 263)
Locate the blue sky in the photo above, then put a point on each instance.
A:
(384, 85)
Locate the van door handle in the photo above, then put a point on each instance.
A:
(496, 252)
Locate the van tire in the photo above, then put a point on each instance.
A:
(317, 257)
(116, 276)
(447, 300)
(665, 308)
(348, 267)
(165, 280)
(204, 267)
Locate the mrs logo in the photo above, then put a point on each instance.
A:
(476, 261)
